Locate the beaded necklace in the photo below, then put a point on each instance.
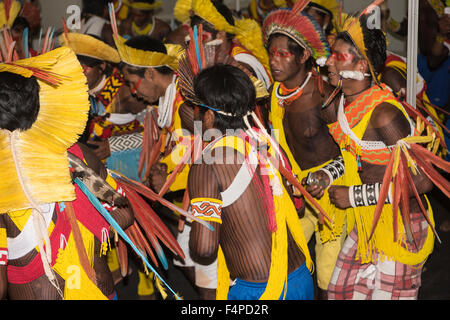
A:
(287, 96)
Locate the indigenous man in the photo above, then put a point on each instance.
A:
(141, 20)
(385, 260)
(156, 80)
(114, 130)
(39, 202)
(230, 188)
(149, 69)
(295, 41)
(94, 22)
(241, 39)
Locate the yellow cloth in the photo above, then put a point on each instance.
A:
(383, 239)
(3, 241)
(326, 253)
(327, 232)
(145, 285)
(286, 217)
(78, 286)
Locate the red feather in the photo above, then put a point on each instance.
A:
(383, 194)
(300, 6)
(419, 200)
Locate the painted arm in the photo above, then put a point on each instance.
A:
(205, 203)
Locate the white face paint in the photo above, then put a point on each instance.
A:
(355, 75)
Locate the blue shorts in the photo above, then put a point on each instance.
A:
(299, 287)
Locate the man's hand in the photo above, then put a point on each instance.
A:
(158, 176)
(339, 196)
(103, 151)
(318, 184)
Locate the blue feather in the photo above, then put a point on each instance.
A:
(197, 49)
(96, 203)
(26, 50)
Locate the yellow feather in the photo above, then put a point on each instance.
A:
(42, 150)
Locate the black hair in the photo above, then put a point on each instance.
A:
(94, 7)
(224, 11)
(21, 23)
(19, 101)
(227, 89)
(375, 42)
(147, 43)
(294, 48)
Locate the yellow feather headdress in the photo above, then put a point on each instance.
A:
(246, 31)
(9, 10)
(182, 9)
(352, 26)
(64, 107)
(144, 6)
(142, 58)
(86, 45)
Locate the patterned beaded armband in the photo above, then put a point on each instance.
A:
(366, 195)
(207, 209)
(334, 169)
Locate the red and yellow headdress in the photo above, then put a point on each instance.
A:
(9, 10)
(301, 28)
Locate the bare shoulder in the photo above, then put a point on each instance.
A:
(393, 78)
(384, 114)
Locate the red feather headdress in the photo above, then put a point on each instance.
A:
(301, 28)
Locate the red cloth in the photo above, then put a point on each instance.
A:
(85, 213)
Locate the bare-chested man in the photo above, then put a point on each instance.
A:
(237, 203)
(300, 123)
(142, 21)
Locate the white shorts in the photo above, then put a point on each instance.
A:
(205, 275)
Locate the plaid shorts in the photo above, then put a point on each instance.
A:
(382, 280)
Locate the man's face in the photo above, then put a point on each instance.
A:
(141, 18)
(283, 63)
(342, 58)
(93, 74)
(147, 88)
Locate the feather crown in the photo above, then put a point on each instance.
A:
(63, 112)
(141, 5)
(143, 58)
(199, 56)
(246, 31)
(86, 45)
(353, 26)
(300, 27)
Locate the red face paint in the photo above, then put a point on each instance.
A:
(342, 56)
(275, 52)
(136, 86)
